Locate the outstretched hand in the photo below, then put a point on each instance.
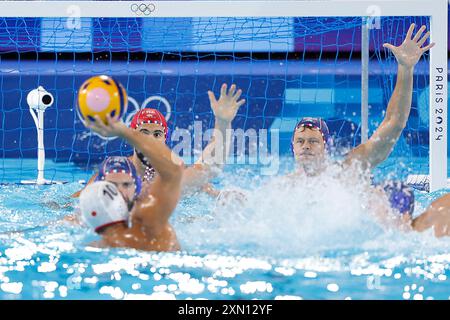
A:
(410, 51)
(113, 127)
(227, 106)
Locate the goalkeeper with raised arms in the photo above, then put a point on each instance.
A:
(312, 143)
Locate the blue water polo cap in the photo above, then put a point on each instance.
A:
(401, 196)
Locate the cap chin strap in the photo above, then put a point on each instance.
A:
(130, 204)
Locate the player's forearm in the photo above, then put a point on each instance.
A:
(220, 140)
(399, 105)
(202, 171)
(218, 144)
(380, 145)
(165, 162)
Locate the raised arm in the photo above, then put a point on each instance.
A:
(155, 209)
(381, 143)
(216, 152)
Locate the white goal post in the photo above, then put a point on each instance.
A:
(436, 10)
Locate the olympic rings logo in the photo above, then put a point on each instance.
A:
(143, 9)
(132, 102)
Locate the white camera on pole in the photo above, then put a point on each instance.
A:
(38, 100)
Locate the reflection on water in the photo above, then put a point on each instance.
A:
(267, 239)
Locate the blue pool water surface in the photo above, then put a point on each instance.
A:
(298, 243)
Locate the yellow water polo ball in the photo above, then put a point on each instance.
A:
(101, 95)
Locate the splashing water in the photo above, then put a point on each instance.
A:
(288, 217)
(277, 238)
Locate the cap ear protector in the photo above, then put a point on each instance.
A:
(102, 205)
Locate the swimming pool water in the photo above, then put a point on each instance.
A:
(280, 246)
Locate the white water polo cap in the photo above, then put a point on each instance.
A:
(102, 205)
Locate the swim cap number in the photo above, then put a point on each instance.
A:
(110, 192)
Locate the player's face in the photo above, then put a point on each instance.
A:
(308, 145)
(154, 130)
(124, 184)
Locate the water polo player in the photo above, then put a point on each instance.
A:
(121, 172)
(150, 122)
(104, 209)
(401, 215)
(311, 140)
(149, 217)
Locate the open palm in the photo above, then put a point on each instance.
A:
(410, 51)
(113, 127)
(228, 104)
